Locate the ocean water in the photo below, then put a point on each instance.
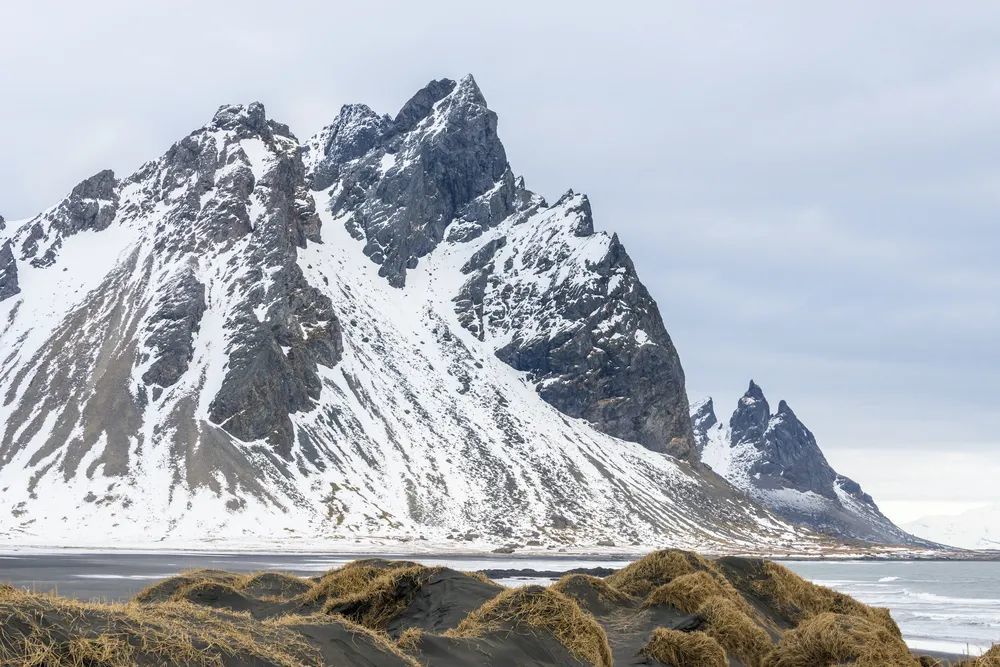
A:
(947, 606)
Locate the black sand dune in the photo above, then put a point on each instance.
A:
(671, 608)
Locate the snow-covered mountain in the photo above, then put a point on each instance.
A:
(379, 335)
(775, 459)
(977, 528)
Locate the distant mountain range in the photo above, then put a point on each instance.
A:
(379, 335)
(977, 528)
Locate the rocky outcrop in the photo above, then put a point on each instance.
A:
(285, 327)
(702, 420)
(91, 206)
(776, 459)
(171, 331)
(8, 271)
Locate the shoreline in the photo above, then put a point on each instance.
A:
(440, 551)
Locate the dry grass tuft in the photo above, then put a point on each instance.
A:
(800, 599)
(375, 601)
(837, 639)
(539, 609)
(47, 631)
(989, 659)
(480, 577)
(684, 649)
(199, 590)
(688, 591)
(656, 569)
(165, 590)
(410, 639)
(273, 585)
(730, 625)
(351, 578)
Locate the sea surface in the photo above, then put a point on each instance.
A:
(948, 606)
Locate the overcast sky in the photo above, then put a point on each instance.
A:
(811, 191)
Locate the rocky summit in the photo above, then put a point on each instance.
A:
(775, 459)
(376, 335)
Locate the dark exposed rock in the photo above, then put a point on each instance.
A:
(616, 366)
(172, 329)
(749, 421)
(272, 363)
(791, 458)
(428, 171)
(91, 206)
(420, 105)
(356, 131)
(8, 271)
(249, 187)
(482, 257)
(702, 419)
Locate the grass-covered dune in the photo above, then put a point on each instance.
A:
(670, 608)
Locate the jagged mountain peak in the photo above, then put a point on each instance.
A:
(776, 459)
(422, 104)
(749, 421)
(101, 185)
(406, 182)
(235, 116)
(754, 392)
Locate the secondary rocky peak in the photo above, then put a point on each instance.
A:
(101, 185)
(90, 206)
(703, 418)
(355, 131)
(754, 392)
(750, 418)
(420, 105)
(577, 207)
(237, 117)
(777, 460)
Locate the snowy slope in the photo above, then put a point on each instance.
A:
(375, 337)
(978, 528)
